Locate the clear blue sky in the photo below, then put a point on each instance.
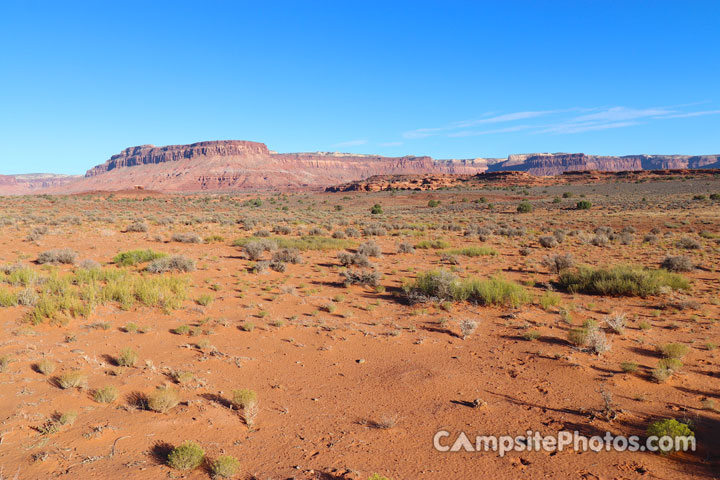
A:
(80, 81)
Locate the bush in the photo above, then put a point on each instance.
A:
(405, 247)
(678, 263)
(255, 249)
(187, 456)
(525, 207)
(188, 237)
(600, 240)
(278, 266)
(548, 241)
(163, 399)
(673, 350)
(370, 249)
(224, 466)
(137, 227)
(376, 209)
(621, 281)
(435, 244)
(467, 327)
(360, 277)
(688, 243)
(133, 257)
(175, 263)
(668, 428)
(288, 255)
(616, 323)
(558, 263)
(347, 259)
(583, 205)
(433, 203)
(473, 251)
(244, 398)
(65, 256)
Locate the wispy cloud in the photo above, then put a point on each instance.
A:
(560, 122)
(391, 144)
(350, 143)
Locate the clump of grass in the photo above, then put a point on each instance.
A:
(621, 281)
(434, 244)
(186, 237)
(673, 350)
(247, 327)
(182, 377)
(616, 322)
(133, 257)
(224, 466)
(106, 394)
(72, 379)
(473, 251)
(127, 357)
(244, 397)
(549, 299)
(305, 243)
(531, 335)
(163, 399)
(4, 362)
(187, 456)
(665, 369)
(440, 285)
(205, 300)
(629, 367)
(45, 366)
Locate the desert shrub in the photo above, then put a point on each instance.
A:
(244, 398)
(163, 399)
(433, 203)
(548, 241)
(137, 227)
(688, 243)
(374, 231)
(4, 362)
(549, 299)
(278, 266)
(405, 247)
(583, 205)
(435, 285)
(282, 230)
(559, 262)
(678, 263)
(616, 322)
(224, 466)
(106, 394)
(597, 342)
(339, 234)
(261, 266)
(531, 335)
(600, 240)
(255, 249)
(65, 255)
(376, 209)
(214, 238)
(650, 238)
(204, 300)
(629, 367)
(88, 264)
(621, 281)
(72, 379)
(37, 233)
(467, 327)
(187, 456)
(370, 249)
(315, 231)
(127, 357)
(186, 237)
(524, 207)
(175, 263)
(377, 476)
(352, 232)
(360, 277)
(133, 257)
(303, 243)
(359, 259)
(288, 255)
(8, 298)
(669, 428)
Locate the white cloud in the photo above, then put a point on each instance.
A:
(390, 144)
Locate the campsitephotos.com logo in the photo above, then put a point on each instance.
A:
(445, 441)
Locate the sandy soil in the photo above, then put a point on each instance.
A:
(353, 381)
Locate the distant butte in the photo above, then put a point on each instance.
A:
(235, 165)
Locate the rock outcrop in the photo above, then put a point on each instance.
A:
(30, 183)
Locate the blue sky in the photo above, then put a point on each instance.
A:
(80, 81)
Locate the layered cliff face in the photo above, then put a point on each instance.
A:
(31, 183)
(233, 165)
(558, 163)
(239, 165)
